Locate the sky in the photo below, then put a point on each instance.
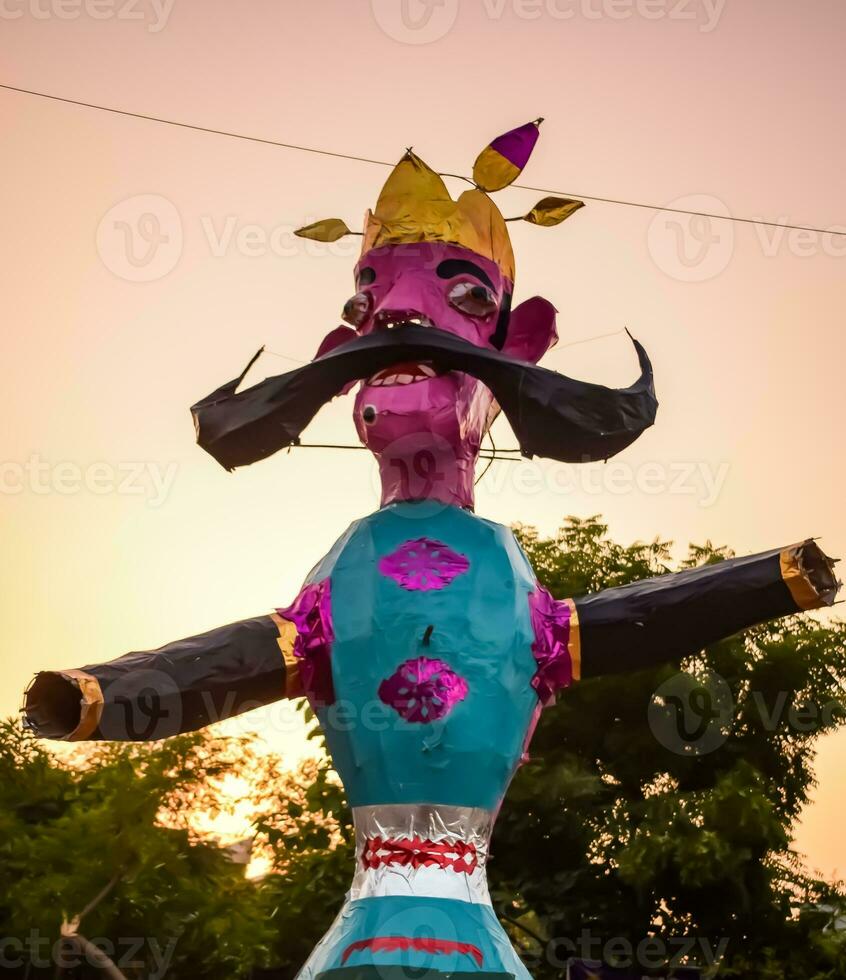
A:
(142, 265)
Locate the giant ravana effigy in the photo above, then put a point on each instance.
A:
(423, 640)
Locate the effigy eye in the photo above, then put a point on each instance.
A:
(473, 299)
(356, 309)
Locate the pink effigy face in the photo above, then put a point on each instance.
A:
(426, 427)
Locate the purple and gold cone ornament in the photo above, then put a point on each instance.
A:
(423, 640)
(503, 160)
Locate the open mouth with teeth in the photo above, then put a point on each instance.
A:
(407, 373)
(388, 319)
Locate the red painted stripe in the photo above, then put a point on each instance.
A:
(416, 853)
(390, 944)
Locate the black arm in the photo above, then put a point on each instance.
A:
(180, 687)
(671, 616)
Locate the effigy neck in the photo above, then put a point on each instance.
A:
(431, 471)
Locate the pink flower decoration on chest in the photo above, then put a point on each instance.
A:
(423, 690)
(423, 564)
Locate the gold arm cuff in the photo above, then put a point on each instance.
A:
(286, 638)
(574, 643)
(807, 573)
(91, 705)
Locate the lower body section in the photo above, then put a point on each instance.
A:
(401, 973)
(414, 938)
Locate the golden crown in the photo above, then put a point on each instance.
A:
(415, 205)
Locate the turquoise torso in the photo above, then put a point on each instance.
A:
(480, 627)
(417, 650)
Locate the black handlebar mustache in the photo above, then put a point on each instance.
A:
(552, 415)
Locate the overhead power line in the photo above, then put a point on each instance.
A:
(385, 163)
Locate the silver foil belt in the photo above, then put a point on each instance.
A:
(422, 850)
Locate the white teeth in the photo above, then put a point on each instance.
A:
(422, 372)
(389, 323)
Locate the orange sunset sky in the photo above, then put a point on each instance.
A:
(142, 265)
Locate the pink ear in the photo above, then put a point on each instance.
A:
(531, 330)
(333, 339)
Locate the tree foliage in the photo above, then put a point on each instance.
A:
(615, 831)
(611, 834)
(115, 821)
(609, 837)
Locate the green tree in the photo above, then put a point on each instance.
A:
(614, 831)
(310, 834)
(109, 834)
(610, 835)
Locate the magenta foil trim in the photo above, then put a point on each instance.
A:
(311, 613)
(423, 690)
(423, 564)
(551, 625)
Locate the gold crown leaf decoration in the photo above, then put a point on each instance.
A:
(325, 230)
(551, 211)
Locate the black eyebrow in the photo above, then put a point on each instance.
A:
(500, 334)
(366, 275)
(455, 267)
